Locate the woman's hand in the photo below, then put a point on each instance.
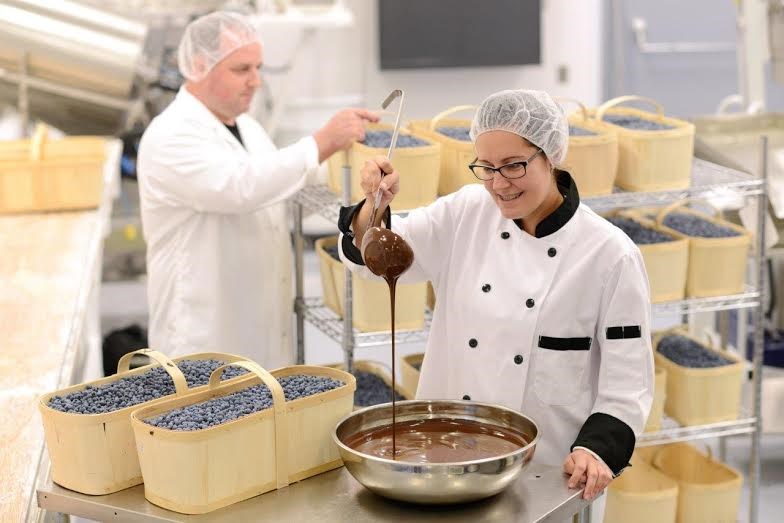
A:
(370, 180)
(586, 470)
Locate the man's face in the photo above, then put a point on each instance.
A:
(231, 84)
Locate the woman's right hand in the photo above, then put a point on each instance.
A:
(371, 179)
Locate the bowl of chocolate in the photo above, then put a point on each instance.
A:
(437, 451)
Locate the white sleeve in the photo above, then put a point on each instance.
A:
(429, 231)
(186, 170)
(625, 388)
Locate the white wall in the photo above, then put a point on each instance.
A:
(340, 62)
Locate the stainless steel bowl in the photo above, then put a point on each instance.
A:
(436, 483)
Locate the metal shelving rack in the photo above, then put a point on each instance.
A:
(708, 180)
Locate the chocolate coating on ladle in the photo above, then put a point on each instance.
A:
(385, 253)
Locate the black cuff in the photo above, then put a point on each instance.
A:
(610, 438)
(345, 219)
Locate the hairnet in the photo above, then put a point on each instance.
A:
(530, 114)
(210, 39)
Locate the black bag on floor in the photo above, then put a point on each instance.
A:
(120, 342)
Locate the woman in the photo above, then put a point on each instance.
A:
(543, 306)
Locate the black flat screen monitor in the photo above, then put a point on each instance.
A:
(417, 34)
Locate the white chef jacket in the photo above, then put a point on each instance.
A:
(218, 246)
(556, 327)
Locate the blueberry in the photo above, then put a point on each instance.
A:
(692, 225)
(688, 353)
(247, 401)
(382, 139)
(372, 390)
(458, 133)
(635, 123)
(333, 252)
(639, 234)
(133, 390)
(580, 131)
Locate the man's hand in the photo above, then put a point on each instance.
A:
(343, 129)
(586, 470)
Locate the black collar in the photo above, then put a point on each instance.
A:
(564, 212)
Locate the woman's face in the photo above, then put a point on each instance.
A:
(519, 197)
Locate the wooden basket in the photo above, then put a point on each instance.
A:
(380, 370)
(659, 395)
(371, 308)
(455, 154)
(708, 491)
(666, 263)
(717, 266)
(194, 472)
(409, 374)
(40, 175)
(701, 396)
(418, 168)
(641, 494)
(591, 160)
(651, 160)
(95, 453)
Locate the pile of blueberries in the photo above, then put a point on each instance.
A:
(692, 225)
(132, 390)
(227, 408)
(639, 234)
(635, 123)
(382, 139)
(688, 353)
(333, 252)
(579, 131)
(371, 390)
(458, 133)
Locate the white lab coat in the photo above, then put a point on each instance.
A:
(583, 278)
(218, 246)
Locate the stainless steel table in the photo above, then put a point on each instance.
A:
(540, 494)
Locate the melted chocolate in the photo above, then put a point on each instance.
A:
(438, 441)
(388, 255)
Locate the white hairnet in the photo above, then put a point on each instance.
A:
(210, 39)
(530, 114)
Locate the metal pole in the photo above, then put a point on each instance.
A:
(348, 305)
(584, 516)
(299, 300)
(24, 100)
(759, 339)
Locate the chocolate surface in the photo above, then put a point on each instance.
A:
(443, 440)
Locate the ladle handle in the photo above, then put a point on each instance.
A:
(392, 145)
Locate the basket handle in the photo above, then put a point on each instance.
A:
(171, 368)
(279, 410)
(680, 203)
(452, 110)
(37, 142)
(629, 98)
(583, 110)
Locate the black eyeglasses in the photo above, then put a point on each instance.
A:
(510, 171)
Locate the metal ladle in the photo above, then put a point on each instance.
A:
(385, 253)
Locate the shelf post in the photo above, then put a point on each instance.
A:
(348, 305)
(759, 337)
(299, 300)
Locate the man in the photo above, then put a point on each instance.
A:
(213, 189)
